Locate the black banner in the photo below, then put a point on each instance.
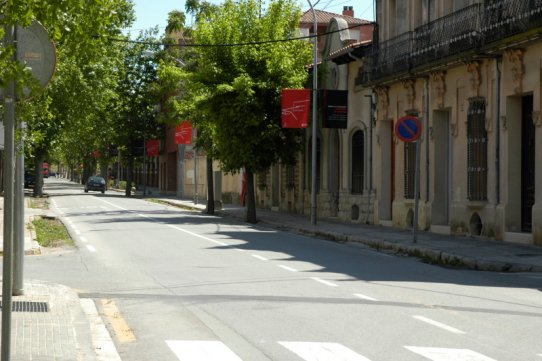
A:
(335, 108)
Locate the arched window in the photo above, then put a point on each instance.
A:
(357, 166)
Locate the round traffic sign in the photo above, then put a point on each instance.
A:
(408, 128)
(37, 52)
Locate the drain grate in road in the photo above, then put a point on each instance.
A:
(28, 306)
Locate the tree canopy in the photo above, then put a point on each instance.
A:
(234, 91)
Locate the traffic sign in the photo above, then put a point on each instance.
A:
(408, 128)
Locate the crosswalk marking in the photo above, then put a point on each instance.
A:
(449, 354)
(202, 351)
(439, 324)
(323, 351)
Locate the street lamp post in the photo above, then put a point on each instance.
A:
(314, 117)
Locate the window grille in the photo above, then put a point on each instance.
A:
(476, 150)
(358, 156)
(410, 169)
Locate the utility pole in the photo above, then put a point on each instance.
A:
(314, 116)
(10, 40)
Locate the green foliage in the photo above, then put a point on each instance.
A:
(235, 91)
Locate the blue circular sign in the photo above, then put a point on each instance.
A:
(408, 128)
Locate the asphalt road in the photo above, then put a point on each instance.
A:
(175, 285)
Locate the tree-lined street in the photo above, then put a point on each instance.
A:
(193, 287)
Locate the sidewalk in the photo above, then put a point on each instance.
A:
(47, 321)
(462, 252)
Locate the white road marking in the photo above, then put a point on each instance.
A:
(323, 351)
(91, 248)
(169, 225)
(327, 283)
(438, 324)
(240, 249)
(101, 340)
(359, 295)
(77, 232)
(287, 268)
(262, 258)
(202, 351)
(83, 239)
(448, 354)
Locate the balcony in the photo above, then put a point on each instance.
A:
(465, 32)
(447, 36)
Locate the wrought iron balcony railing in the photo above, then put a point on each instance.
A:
(446, 36)
(506, 18)
(472, 28)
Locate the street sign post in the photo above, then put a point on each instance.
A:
(409, 129)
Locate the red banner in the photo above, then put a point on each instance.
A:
(183, 133)
(153, 148)
(296, 108)
(96, 154)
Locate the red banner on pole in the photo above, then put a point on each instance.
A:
(153, 148)
(296, 108)
(183, 133)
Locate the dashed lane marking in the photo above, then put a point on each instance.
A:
(327, 283)
(202, 351)
(439, 325)
(364, 297)
(91, 248)
(261, 258)
(287, 268)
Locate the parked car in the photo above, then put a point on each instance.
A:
(95, 183)
(29, 179)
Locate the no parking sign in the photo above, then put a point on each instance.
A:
(408, 128)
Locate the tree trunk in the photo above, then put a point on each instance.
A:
(38, 174)
(251, 198)
(129, 176)
(210, 187)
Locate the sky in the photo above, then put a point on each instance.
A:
(150, 13)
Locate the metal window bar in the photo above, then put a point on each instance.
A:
(358, 155)
(476, 150)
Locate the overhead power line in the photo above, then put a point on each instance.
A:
(234, 44)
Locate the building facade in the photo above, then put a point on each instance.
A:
(471, 71)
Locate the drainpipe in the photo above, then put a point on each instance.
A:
(498, 64)
(426, 110)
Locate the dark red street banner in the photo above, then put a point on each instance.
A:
(183, 133)
(96, 154)
(153, 148)
(296, 108)
(335, 108)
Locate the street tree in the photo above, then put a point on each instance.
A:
(139, 97)
(247, 56)
(81, 33)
